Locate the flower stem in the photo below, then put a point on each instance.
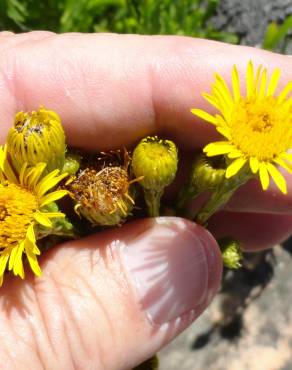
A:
(152, 199)
(222, 195)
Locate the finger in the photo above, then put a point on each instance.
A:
(111, 300)
(253, 231)
(112, 89)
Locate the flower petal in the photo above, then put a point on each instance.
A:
(204, 115)
(35, 176)
(282, 96)
(235, 154)
(277, 177)
(235, 84)
(234, 167)
(225, 131)
(263, 84)
(3, 260)
(280, 162)
(32, 259)
(54, 214)
(49, 182)
(254, 164)
(42, 219)
(249, 80)
(217, 148)
(212, 100)
(18, 264)
(273, 82)
(222, 85)
(264, 176)
(52, 197)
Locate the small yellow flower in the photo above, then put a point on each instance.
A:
(23, 199)
(36, 137)
(257, 126)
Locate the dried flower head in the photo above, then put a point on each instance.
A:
(257, 126)
(36, 137)
(103, 196)
(23, 201)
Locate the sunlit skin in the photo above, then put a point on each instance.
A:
(111, 91)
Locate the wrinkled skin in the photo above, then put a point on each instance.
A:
(110, 90)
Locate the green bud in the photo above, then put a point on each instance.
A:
(37, 136)
(207, 173)
(72, 164)
(154, 161)
(231, 253)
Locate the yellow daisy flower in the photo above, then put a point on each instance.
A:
(257, 126)
(22, 201)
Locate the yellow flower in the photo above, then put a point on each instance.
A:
(23, 199)
(36, 137)
(257, 126)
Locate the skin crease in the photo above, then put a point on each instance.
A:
(110, 91)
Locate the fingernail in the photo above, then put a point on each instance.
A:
(175, 268)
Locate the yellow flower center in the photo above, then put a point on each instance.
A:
(260, 128)
(17, 207)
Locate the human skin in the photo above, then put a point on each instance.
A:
(111, 300)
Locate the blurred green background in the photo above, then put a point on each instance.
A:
(180, 17)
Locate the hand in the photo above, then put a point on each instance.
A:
(111, 300)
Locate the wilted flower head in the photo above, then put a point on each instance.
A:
(23, 201)
(103, 195)
(37, 137)
(257, 126)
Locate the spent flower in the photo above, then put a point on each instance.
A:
(102, 190)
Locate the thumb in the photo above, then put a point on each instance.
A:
(111, 300)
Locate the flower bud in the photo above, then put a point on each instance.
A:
(71, 164)
(155, 162)
(207, 173)
(231, 253)
(37, 136)
(103, 197)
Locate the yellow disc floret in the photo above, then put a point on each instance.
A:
(17, 207)
(23, 201)
(257, 126)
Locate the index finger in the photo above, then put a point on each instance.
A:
(111, 90)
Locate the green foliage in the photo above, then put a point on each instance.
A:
(277, 36)
(180, 17)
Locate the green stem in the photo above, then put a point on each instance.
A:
(152, 199)
(222, 195)
(186, 193)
